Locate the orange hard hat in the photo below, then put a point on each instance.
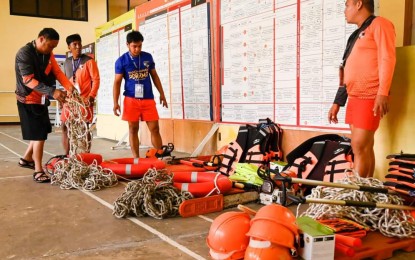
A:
(265, 250)
(227, 235)
(278, 214)
(276, 233)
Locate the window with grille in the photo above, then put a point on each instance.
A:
(55, 9)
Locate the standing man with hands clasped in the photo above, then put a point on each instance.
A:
(365, 79)
(36, 74)
(136, 67)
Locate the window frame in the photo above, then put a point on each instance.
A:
(36, 2)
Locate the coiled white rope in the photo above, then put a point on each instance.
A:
(77, 125)
(71, 173)
(154, 195)
(390, 222)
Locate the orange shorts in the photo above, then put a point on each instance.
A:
(359, 113)
(89, 112)
(136, 109)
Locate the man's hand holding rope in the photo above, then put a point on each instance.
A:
(59, 95)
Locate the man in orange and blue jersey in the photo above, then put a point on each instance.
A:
(137, 68)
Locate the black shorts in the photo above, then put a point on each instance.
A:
(34, 121)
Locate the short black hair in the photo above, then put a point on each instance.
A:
(73, 37)
(49, 34)
(134, 36)
(369, 4)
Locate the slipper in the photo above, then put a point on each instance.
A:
(41, 178)
(26, 164)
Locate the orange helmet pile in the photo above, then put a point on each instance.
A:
(272, 233)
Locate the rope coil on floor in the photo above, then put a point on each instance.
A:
(390, 222)
(154, 195)
(70, 173)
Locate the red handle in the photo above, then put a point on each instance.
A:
(203, 162)
(196, 160)
(346, 250)
(191, 163)
(348, 241)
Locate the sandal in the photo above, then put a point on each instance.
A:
(41, 177)
(26, 164)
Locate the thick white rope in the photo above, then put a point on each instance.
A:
(77, 125)
(154, 195)
(390, 222)
(71, 173)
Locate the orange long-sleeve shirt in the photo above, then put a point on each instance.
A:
(370, 66)
(86, 75)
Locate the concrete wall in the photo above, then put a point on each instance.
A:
(16, 31)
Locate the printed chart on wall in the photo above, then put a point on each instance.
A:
(109, 45)
(280, 60)
(177, 35)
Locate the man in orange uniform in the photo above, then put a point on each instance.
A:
(368, 75)
(82, 71)
(36, 74)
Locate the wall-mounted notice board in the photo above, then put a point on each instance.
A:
(110, 44)
(177, 34)
(275, 58)
(280, 60)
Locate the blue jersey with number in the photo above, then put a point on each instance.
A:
(136, 70)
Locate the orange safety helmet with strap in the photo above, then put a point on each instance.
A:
(275, 224)
(264, 250)
(227, 236)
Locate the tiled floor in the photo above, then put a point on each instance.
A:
(41, 221)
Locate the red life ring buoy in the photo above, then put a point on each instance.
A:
(132, 167)
(87, 158)
(184, 168)
(201, 184)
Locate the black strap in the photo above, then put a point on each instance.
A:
(341, 95)
(354, 36)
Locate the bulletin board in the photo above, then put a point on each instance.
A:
(269, 58)
(110, 44)
(177, 34)
(280, 60)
